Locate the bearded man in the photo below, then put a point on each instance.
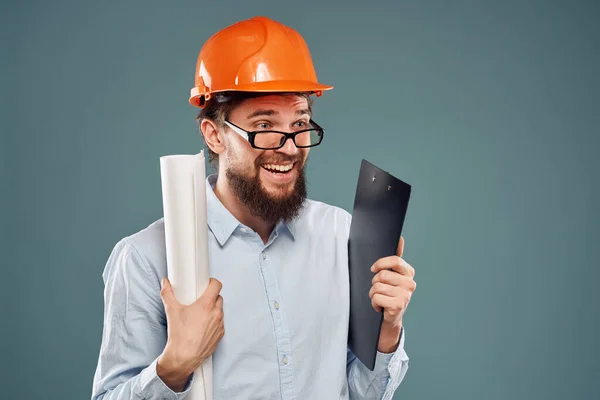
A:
(275, 314)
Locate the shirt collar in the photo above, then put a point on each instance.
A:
(286, 227)
(222, 223)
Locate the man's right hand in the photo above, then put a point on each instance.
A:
(193, 332)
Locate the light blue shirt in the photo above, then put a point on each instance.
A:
(286, 310)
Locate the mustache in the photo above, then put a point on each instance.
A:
(277, 160)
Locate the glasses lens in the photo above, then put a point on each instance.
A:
(309, 138)
(274, 140)
(268, 140)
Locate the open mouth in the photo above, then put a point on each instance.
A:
(278, 168)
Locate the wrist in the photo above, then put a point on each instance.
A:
(174, 374)
(389, 337)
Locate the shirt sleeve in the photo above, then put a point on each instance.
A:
(134, 333)
(382, 382)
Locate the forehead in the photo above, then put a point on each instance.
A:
(281, 104)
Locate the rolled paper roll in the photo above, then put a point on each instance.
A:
(183, 184)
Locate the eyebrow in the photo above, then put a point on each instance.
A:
(271, 113)
(258, 113)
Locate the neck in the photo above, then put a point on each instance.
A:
(240, 211)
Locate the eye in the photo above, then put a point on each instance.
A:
(262, 126)
(301, 124)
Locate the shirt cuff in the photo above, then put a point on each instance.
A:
(382, 361)
(153, 388)
(398, 364)
(387, 363)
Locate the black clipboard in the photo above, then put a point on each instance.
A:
(380, 206)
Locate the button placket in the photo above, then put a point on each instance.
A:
(281, 329)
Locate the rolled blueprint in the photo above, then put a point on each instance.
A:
(186, 234)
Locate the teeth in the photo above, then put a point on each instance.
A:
(281, 168)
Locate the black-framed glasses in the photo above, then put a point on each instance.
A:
(273, 140)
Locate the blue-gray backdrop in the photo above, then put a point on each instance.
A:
(488, 108)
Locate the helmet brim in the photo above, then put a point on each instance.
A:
(268, 86)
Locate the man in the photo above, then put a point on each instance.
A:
(275, 313)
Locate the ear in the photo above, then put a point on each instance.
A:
(212, 136)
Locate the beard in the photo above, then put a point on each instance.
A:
(250, 191)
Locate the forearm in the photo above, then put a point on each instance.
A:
(127, 390)
(382, 382)
(134, 334)
(146, 385)
(366, 384)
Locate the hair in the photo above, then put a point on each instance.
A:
(220, 105)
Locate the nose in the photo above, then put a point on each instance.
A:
(288, 148)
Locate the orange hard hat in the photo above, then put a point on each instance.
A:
(254, 55)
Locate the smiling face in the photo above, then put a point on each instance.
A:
(270, 183)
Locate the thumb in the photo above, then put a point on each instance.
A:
(400, 247)
(166, 294)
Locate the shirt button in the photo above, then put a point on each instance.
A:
(244, 230)
(264, 255)
(276, 305)
(285, 360)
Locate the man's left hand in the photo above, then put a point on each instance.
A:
(393, 286)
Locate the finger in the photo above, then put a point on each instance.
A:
(410, 269)
(394, 263)
(400, 247)
(382, 288)
(390, 277)
(212, 291)
(219, 309)
(219, 303)
(381, 301)
(166, 294)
